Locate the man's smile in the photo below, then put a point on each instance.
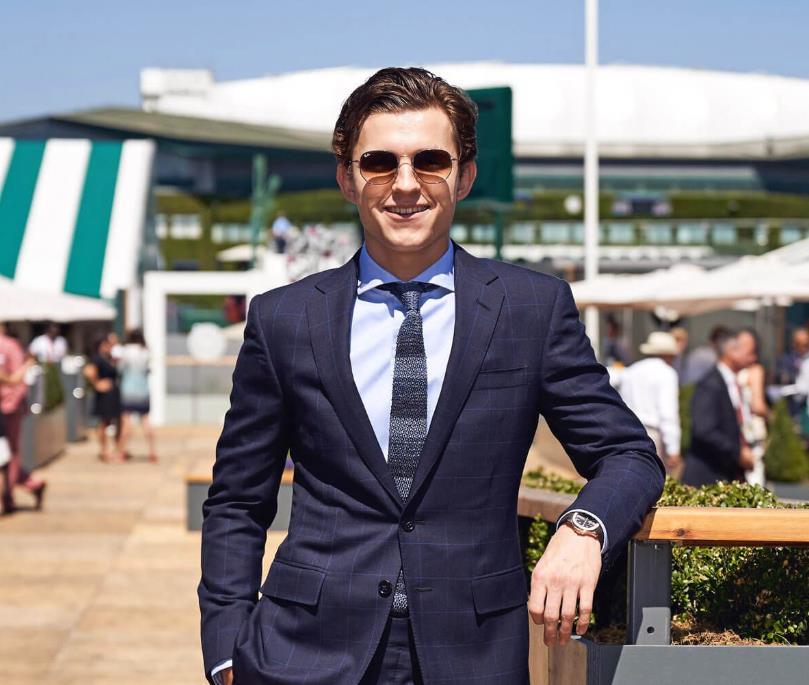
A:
(406, 211)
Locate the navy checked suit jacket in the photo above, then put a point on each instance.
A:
(518, 350)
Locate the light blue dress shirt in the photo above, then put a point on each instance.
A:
(375, 323)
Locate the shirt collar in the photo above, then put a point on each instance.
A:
(727, 374)
(440, 273)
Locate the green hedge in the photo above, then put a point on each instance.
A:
(785, 458)
(758, 592)
(54, 392)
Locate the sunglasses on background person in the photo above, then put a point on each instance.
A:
(379, 167)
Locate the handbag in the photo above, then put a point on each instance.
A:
(5, 452)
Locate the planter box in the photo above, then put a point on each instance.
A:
(198, 480)
(582, 662)
(43, 438)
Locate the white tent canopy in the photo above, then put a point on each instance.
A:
(21, 304)
(777, 277)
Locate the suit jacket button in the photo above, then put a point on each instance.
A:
(408, 525)
(385, 588)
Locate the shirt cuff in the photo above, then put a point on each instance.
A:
(568, 514)
(216, 671)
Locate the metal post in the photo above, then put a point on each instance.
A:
(591, 164)
(648, 593)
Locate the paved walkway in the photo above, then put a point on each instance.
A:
(100, 587)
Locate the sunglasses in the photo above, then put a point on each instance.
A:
(379, 167)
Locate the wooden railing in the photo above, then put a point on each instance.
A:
(649, 569)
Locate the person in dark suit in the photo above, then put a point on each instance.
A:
(718, 451)
(406, 386)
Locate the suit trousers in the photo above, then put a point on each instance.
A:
(395, 661)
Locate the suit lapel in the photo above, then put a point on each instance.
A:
(478, 299)
(329, 314)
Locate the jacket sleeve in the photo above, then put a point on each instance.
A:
(603, 438)
(242, 499)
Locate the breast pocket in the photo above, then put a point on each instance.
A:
(488, 379)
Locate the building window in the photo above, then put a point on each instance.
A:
(620, 233)
(185, 227)
(522, 232)
(555, 232)
(790, 234)
(161, 226)
(657, 234)
(459, 233)
(234, 233)
(724, 234)
(692, 234)
(483, 233)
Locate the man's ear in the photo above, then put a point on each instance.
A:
(345, 179)
(466, 178)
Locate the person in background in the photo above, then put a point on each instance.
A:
(702, 359)
(678, 364)
(134, 368)
(754, 412)
(280, 232)
(616, 349)
(718, 449)
(802, 386)
(788, 368)
(102, 375)
(650, 389)
(13, 407)
(50, 346)
(116, 349)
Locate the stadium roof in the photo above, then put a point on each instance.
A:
(188, 129)
(643, 111)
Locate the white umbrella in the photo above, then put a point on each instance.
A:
(21, 304)
(640, 291)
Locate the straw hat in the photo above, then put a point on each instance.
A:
(660, 343)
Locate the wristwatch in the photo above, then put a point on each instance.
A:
(583, 524)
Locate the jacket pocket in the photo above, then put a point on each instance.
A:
(501, 378)
(299, 584)
(498, 591)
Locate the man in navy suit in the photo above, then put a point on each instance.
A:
(406, 385)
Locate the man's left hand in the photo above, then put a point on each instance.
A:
(566, 575)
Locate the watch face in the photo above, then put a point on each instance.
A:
(584, 522)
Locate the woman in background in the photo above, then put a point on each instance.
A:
(751, 382)
(134, 367)
(103, 377)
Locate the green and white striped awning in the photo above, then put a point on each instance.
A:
(72, 213)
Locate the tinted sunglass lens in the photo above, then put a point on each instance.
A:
(378, 166)
(433, 166)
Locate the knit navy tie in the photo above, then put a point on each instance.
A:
(408, 411)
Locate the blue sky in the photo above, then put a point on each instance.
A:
(57, 56)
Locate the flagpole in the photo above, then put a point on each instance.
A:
(591, 192)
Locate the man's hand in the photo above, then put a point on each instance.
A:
(227, 676)
(746, 459)
(674, 461)
(566, 573)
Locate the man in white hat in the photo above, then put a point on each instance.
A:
(650, 389)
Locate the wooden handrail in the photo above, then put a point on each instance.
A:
(716, 526)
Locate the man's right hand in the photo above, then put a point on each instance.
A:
(227, 676)
(746, 459)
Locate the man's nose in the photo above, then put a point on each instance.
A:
(406, 180)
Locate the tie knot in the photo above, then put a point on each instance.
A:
(409, 293)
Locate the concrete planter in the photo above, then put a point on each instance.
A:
(43, 437)
(583, 662)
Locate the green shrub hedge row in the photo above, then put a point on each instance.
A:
(758, 592)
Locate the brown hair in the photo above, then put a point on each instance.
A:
(398, 89)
